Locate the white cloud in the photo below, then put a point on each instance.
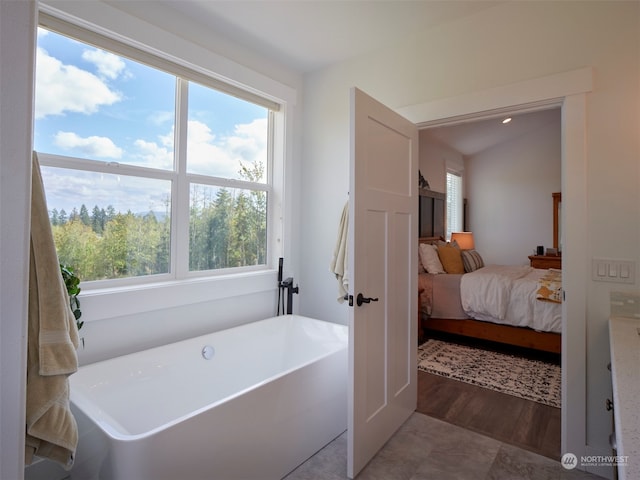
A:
(160, 118)
(64, 88)
(94, 146)
(108, 64)
(206, 157)
(208, 154)
(249, 140)
(66, 190)
(222, 157)
(154, 155)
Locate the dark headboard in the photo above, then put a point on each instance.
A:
(432, 213)
(430, 239)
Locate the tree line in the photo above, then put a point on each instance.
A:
(227, 228)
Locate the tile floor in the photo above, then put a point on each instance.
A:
(425, 448)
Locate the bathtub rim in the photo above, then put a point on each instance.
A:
(107, 423)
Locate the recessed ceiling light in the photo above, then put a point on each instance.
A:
(506, 120)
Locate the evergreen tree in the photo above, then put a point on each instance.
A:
(62, 217)
(55, 219)
(163, 253)
(241, 253)
(84, 215)
(111, 214)
(257, 221)
(219, 229)
(74, 215)
(97, 219)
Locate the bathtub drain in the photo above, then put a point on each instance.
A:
(207, 352)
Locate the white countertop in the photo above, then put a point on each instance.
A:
(625, 373)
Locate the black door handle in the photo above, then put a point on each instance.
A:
(360, 299)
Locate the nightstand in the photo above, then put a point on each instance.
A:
(546, 261)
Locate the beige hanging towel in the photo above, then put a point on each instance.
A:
(339, 263)
(52, 431)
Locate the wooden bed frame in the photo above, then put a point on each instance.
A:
(495, 332)
(518, 336)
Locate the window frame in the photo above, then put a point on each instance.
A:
(179, 273)
(458, 205)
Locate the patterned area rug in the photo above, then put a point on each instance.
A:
(520, 377)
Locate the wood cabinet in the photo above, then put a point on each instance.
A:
(546, 261)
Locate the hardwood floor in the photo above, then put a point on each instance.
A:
(523, 423)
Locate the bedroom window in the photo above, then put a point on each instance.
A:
(151, 170)
(454, 203)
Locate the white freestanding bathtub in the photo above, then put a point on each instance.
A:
(250, 402)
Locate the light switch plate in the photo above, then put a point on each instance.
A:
(613, 270)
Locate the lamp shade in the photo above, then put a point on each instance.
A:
(464, 240)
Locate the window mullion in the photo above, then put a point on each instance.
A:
(180, 222)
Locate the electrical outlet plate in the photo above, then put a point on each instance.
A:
(613, 270)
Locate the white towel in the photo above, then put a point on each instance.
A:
(52, 431)
(339, 265)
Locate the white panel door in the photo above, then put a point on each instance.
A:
(383, 238)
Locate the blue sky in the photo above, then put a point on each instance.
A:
(96, 105)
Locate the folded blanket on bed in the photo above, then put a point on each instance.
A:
(550, 286)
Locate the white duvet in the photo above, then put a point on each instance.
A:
(507, 294)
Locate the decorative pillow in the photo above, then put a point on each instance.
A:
(430, 259)
(550, 286)
(451, 259)
(420, 266)
(472, 260)
(442, 243)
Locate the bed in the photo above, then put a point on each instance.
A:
(517, 305)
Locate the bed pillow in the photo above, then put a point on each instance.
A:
(451, 259)
(472, 260)
(442, 243)
(430, 260)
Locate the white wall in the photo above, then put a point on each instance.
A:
(509, 189)
(435, 158)
(512, 42)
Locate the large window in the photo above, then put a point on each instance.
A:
(149, 171)
(454, 203)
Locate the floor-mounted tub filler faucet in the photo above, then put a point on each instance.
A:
(285, 286)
